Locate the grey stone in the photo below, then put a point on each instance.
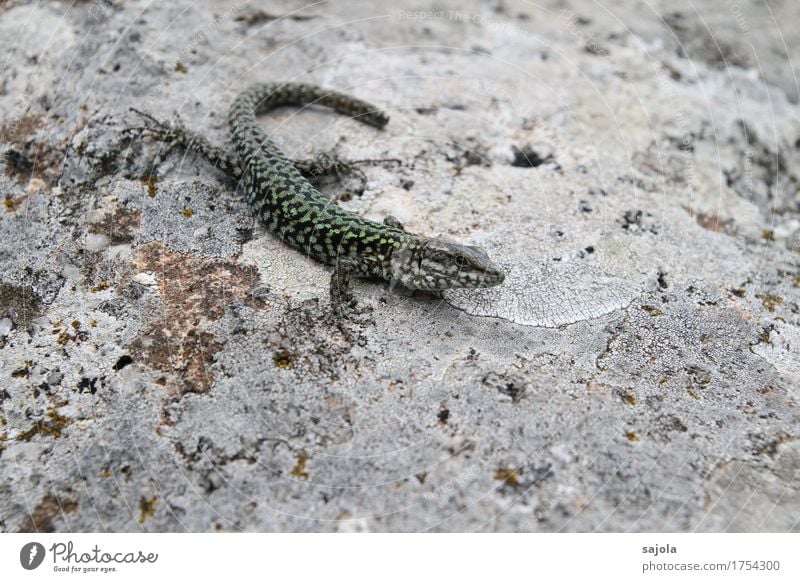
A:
(167, 365)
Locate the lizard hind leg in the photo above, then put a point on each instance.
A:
(175, 134)
(324, 163)
(328, 165)
(331, 164)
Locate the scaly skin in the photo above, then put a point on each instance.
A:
(294, 210)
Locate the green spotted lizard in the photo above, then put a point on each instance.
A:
(296, 212)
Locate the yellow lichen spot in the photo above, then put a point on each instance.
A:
(299, 469)
(101, 286)
(797, 281)
(52, 427)
(93, 323)
(283, 360)
(147, 507)
(507, 476)
(770, 301)
(632, 436)
(23, 372)
(11, 204)
(105, 473)
(149, 182)
(768, 235)
(653, 311)
(76, 324)
(180, 67)
(628, 396)
(187, 212)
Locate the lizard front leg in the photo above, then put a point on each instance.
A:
(330, 163)
(341, 291)
(392, 221)
(343, 302)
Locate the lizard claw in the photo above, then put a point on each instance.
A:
(161, 130)
(376, 161)
(352, 311)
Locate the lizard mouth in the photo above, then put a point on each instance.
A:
(487, 276)
(493, 276)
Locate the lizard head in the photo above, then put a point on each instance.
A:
(433, 264)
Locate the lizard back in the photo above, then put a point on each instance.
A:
(284, 200)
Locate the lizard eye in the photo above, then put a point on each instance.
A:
(460, 261)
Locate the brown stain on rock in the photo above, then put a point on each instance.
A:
(18, 130)
(31, 158)
(195, 291)
(713, 222)
(20, 303)
(52, 426)
(51, 507)
(147, 508)
(119, 225)
(12, 204)
(300, 470)
(508, 476)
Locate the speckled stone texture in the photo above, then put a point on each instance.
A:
(167, 365)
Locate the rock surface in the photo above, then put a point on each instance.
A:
(166, 365)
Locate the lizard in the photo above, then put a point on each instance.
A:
(290, 207)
